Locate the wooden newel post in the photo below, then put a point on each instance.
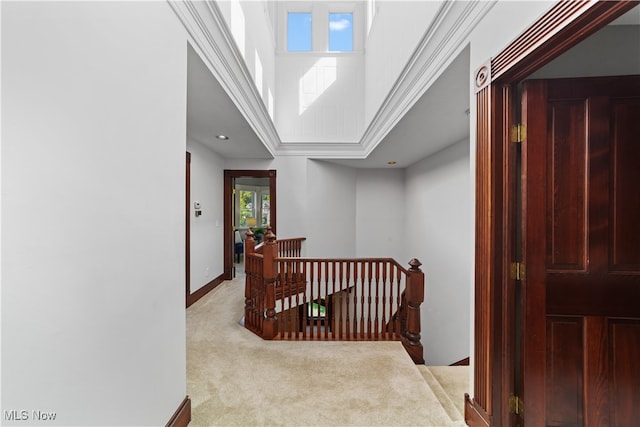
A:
(249, 243)
(270, 253)
(415, 297)
(249, 248)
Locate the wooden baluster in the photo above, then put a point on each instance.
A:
(305, 299)
(347, 301)
(414, 297)
(330, 300)
(270, 252)
(309, 303)
(399, 307)
(291, 288)
(282, 287)
(376, 270)
(357, 320)
(326, 296)
(392, 270)
(249, 248)
(397, 279)
(300, 278)
(341, 299)
(369, 278)
(318, 330)
(322, 278)
(293, 296)
(385, 285)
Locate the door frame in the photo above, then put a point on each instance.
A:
(229, 176)
(187, 227)
(563, 26)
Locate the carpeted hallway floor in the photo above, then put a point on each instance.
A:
(236, 378)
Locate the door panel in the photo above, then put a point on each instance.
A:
(581, 248)
(625, 370)
(625, 230)
(564, 371)
(567, 245)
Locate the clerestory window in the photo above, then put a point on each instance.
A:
(341, 32)
(299, 32)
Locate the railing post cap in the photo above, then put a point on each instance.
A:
(269, 236)
(415, 264)
(249, 234)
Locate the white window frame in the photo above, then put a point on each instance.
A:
(320, 25)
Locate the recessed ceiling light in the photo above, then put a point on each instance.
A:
(391, 163)
(222, 137)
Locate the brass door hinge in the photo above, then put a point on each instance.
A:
(517, 271)
(518, 133)
(516, 405)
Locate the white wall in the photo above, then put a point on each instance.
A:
(291, 191)
(251, 27)
(379, 219)
(512, 17)
(315, 199)
(331, 210)
(206, 237)
(93, 142)
(319, 97)
(319, 94)
(397, 28)
(437, 233)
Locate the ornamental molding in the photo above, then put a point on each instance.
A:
(445, 38)
(209, 32)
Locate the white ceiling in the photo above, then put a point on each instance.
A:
(437, 120)
(211, 112)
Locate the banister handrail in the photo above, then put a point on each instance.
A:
(312, 298)
(325, 259)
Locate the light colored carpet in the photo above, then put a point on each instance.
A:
(236, 378)
(449, 384)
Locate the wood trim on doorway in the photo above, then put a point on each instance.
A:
(229, 176)
(189, 297)
(566, 24)
(187, 227)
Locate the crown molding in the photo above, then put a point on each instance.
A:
(323, 150)
(210, 33)
(447, 36)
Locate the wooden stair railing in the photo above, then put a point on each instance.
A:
(286, 247)
(355, 299)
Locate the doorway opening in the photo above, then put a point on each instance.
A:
(249, 203)
(500, 398)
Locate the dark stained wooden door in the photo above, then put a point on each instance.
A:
(581, 250)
